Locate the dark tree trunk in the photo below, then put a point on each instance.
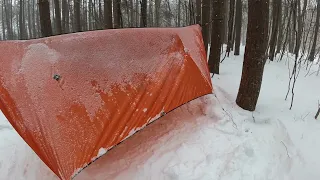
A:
(230, 26)
(117, 14)
(22, 25)
(216, 35)
(198, 15)
(255, 54)
(281, 23)
(143, 21)
(157, 13)
(45, 21)
(316, 31)
(108, 14)
(29, 19)
(276, 8)
(58, 16)
(77, 20)
(205, 22)
(238, 25)
(3, 21)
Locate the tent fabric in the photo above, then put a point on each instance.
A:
(73, 97)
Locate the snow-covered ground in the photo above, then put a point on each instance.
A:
(209, 138)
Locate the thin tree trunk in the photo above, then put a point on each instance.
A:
(230, 26)
(132, 13)
(281, 22)
(150, 20)
(116, 13)
(198, 16)
(77, 21)
(29, 19)
(205, 22)
(238, 25)
(143, 21)
(21, 21)
(316, 31)
(216, 35)
(255, 54)
(3, 21)
(58, 16)
(157, 13)
(45, 21)
(276, 8)
(108, 14)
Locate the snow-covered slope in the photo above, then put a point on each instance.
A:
(207, 139)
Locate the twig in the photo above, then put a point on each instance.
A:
(286, 148)
(318, 112)
(227, 113)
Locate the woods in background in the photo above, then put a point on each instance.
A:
(269, 28)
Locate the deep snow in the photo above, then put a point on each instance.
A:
(207, 139)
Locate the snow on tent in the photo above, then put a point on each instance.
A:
(73, 97)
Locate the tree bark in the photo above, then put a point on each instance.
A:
(58, 16)
(205, 22)
(3, 21)
(238, 25)
(198, 14)
(230, 26)
(22, 25)
(276, 8)
(216, 35)
(143, 21)
(108, 14)
(117, 14)
(316, 30)
(45, 21)
(77, 21)
(157, 13)
(255, 54)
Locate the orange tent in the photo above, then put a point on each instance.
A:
(73, 97)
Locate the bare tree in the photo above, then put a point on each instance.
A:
(77, 14)
(58, 16)
(316, 31)
(108, 14)
(205, 22)
(238, 25)
(143, 21)
(255, 54)
(230, 26)
(276, 8)
(216, 35)
(45, 20)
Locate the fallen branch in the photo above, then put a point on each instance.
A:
(317, 114)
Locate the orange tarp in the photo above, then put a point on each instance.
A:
(72, 97)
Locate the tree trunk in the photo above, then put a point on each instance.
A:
(238, 25)
(230, 26)
(108, 14)
(45, 21)
(276, 8)
(216, 35)
(58, 16)
(21, 21)
(316, 31)
(198, 15)
(150, 21)
(3, 21)
(205, 22)
(143, 21)
(116, 13)
(77, 21)
(132, 13)
(179, 12)
(281, 22)
(157, 13)
(255, 54)
(29, 20)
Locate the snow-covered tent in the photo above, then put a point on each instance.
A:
(73, 97)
